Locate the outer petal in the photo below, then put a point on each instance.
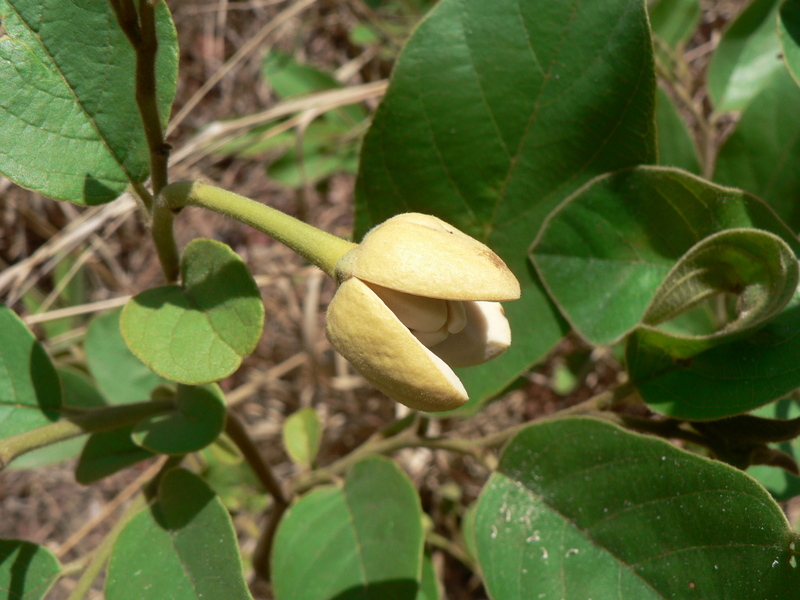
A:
(420, 254)
(363, 329)
(486, 335)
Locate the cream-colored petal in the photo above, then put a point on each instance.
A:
(363, 329)
(486, 335)
(420, 254)
(415, 312)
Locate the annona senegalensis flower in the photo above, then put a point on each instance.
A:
(416, 298)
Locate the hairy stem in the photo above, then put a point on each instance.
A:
(100, 419)
(319, 247)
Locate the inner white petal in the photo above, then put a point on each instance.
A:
(486, 335)
(430, 338)
(456, 316)
(418, 313)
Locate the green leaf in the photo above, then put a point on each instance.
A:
(610, 237)
(27, 571)
(429, 583)
(781, 484)
(360, 541)
(197, 422)
(580, 508)
(121, 376)
(789, 35)
(675, 145)
(495, 113)
(748, 54)
(108, 452)
(200, 332)
(70, 125)
(30, 390)
(762, 155)
(78, 392)
(673, 21)
(302, 433)
(183, 548)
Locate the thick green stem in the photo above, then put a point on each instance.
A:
(164, 238)
(319, 247)
(100, 419)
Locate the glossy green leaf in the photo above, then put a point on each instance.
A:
(78, 392)
(675, 145)
(70, 125)
(108, 452)
(580, 508)
(199, 332)
(363, 540)
(748, 54)
(495, 113)
(30, 390)
(197, 421)
(789, 35)
(27, 571)
(780, 483)
(673, 21)
(762, 155)
(610, 237)
(121, 376)
(183, 548)
(302, 434)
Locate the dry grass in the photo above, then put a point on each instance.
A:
(224, 41)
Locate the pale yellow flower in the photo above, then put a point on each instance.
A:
(416, 298)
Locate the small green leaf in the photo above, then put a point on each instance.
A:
(30, 390)
(610, 237)
(183, 548)
(27, 571)
(78, 392)
(70, 124)
(121, 376)
(675, 146)
(197, 422)
(580, 508)
(748, 54)
(199, 332)
(108, 452)
(674, 21)
(762, 155)
(302, 433)
(789, 35)
(495, 113)
(363, 540)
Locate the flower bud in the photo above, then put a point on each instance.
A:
(416, 298)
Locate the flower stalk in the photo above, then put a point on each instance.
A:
(319, 247)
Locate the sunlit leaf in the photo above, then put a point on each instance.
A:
(27, 571)
(198, 332)
(363, 540)
(747, 55)
(182, 548)
(495, 113)
(30, 390)
(580, 508)
(70, 124)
